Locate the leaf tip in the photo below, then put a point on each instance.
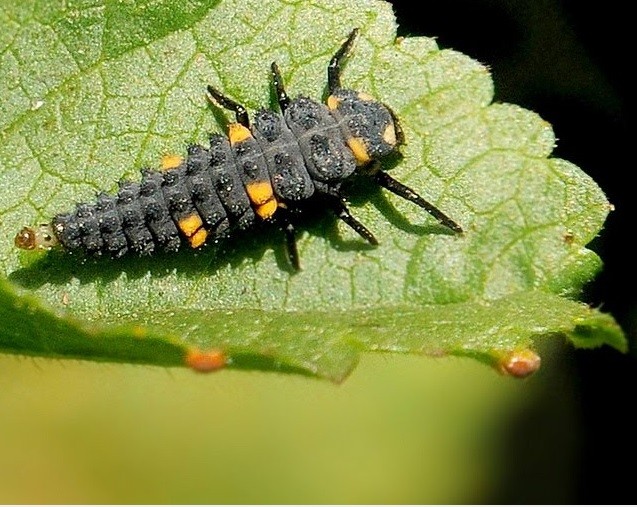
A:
(205, 361)
(519, 363)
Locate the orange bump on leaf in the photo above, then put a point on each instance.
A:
(520, 363)
(205, 361)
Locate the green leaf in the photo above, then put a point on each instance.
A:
(94, 91)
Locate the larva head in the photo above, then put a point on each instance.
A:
(32, 238)
(371, 128)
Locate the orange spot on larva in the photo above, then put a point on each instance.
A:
(238, 133)
(171, 161)
(357, 145)
(267, 209)
(205, 361)
(198, 238)
(190, 224)
(333, 102)
(520, 363)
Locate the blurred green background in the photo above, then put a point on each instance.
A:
(400, 429)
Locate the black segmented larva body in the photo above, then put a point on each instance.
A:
(261, 172)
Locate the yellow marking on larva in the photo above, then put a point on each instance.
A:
(389, 136)
(357, 145)
(171, 161)
(259, 192)
(198, 238)
(365, 96)
(190, 224)
(238, 133)
(262, 197)
(267, 209)
(333, 102)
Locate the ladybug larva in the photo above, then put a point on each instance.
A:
(282, 164)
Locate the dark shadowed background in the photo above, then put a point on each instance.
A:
(568, 61)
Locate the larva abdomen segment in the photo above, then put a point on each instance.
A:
(227, 183)
(142, 217)
(288, 174)
(114, 242)
(140, 239)
(195, 199)
(203, 193)
(154, 213)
